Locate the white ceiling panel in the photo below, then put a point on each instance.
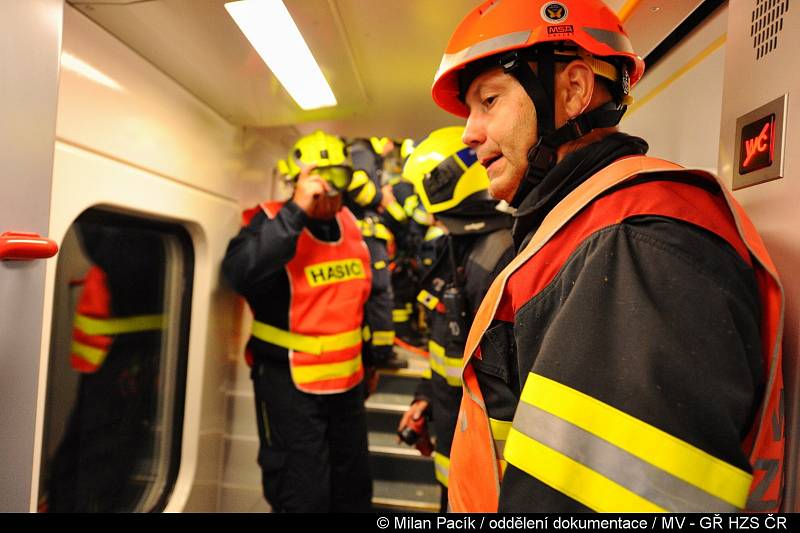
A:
(379, 56)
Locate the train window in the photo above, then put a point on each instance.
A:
(116, 375)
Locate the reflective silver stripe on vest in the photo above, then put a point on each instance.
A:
(486, 47)
(621, 467)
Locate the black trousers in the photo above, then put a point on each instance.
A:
(378, 309)
(405, 285)
(313, 448)
(109, 432)
(446, 403)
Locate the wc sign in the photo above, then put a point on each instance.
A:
(757, 146)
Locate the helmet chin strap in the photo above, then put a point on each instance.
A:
(540, 89)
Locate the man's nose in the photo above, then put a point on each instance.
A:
(474, 132)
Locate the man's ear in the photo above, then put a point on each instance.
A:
(575, 88)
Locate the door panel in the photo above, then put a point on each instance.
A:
(30, 45)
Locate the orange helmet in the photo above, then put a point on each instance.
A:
(500, 26)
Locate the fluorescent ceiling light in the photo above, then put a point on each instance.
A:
(78, 66)
(271, 30)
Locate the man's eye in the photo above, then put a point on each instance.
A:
(489, 100)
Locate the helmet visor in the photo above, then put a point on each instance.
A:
(440, 183)
(339, 176)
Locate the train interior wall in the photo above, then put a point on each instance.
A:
(182, 162)
(131, 140)
(678, 103)
(687, 107)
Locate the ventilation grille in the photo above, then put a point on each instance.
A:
(766, 22)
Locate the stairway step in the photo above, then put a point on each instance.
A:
(408, 373)
(418, 365)
(402, 468)
(389, 402)
(392, 382)
(386, 444)
(403, 479)
(403, 496)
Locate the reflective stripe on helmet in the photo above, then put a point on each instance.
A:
(482, 49)
(617, 41)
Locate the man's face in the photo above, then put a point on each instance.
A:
(501, 128)
(326, 206)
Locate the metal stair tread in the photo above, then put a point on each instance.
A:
(389, 402)
(412, 372)
(386, 444)
(417, 364)
(406, 496)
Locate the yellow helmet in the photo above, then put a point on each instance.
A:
(328, 152)
(444, 170)
(282, 169)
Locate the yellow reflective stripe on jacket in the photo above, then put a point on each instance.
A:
(368, 190)
(91, 354)
(441, 464)
(359, 179)
(397, 212)
(423, 218)
(427, 299)
(611, 461)
(434, 232)
(305, 343)
(383, 338)
(379, 265)
(500, 429)
(382, 232)
(410, 204)
(118, 326)
(366, 195)
(401, 315)
(447, 367)
(365, 227)
(313, 373)
(370, 228)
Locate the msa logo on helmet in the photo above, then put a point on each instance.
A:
(334, 272)
(560, 30)
(554, 12)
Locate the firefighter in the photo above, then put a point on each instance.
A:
(477, 244)
(406, 217)
(628, 359)
(115, 348)
(364, 198)
(305, 272)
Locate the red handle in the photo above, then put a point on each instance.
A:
(26, 246)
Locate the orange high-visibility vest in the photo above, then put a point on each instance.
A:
(475, 473)
(95, 327)
(89, 351)
(329, 284)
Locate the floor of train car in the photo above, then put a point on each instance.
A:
(403, 479)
